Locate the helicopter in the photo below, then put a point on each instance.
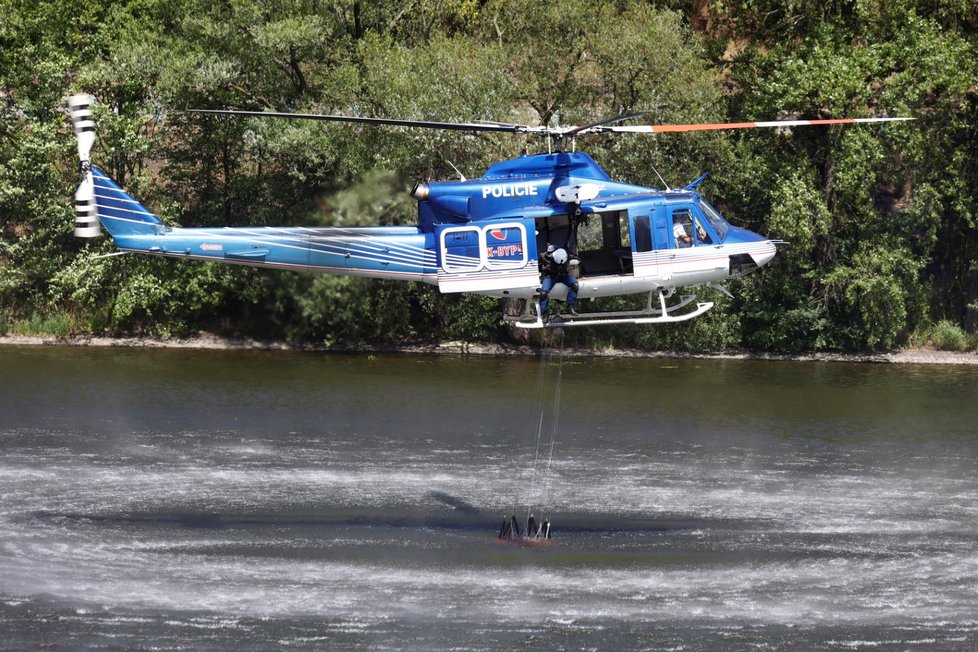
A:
(484, 235)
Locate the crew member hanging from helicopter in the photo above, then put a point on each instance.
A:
(555, 267)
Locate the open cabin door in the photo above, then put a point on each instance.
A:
(483, 258)
(604, 242)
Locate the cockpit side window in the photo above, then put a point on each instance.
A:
(682, 227)
(702, 235)
(688, 228)
(720, 225)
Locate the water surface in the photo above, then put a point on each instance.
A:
(189, 499)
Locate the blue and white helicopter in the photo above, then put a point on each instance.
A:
(483, 235)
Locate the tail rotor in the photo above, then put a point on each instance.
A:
(86, 212)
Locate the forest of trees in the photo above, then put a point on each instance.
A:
(882, 221)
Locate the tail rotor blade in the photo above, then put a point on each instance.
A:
(81, 119)
(86, 212)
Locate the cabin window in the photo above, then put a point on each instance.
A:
(643, 233)
(604, 231)
(460, 249)
(589, 234)
(624, 235)
(505, 246)
(553, 230)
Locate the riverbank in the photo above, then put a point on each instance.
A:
(207, 341)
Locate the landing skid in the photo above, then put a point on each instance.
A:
(663, 315)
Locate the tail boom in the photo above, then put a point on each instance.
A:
(402, 253)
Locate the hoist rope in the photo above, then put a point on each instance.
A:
(521, 493)
(531, 492)
(548, 476)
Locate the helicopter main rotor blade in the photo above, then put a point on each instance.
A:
(604, 126)
(424, 124)
(574, 131)
(661, 129)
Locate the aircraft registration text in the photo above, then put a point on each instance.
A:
(504, 251)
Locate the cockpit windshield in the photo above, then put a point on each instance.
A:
(720, 225)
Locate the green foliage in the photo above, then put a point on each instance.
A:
(52, 325)
(804, 327)
(871, 295)
(948, 336)
(799, 216)
(376, 198)
(881, 222)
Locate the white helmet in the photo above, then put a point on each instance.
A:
(560, 256)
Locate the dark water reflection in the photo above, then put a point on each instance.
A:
(195, 499)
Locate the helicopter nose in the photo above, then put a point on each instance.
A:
(737, 235)
(764, 256)
(759, 251)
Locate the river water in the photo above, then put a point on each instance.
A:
(255, 500)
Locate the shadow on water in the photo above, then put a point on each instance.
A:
(468, 541)
(454, 502)
(474, 520)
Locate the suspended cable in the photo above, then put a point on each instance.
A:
(548, 475)
(520, 493)
(533, 487)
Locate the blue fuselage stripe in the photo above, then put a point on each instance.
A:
(386, 256)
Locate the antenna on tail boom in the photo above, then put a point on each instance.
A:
(86, 213)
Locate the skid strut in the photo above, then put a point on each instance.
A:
(663, 314)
